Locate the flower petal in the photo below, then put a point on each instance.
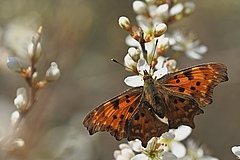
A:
(178, 149)
(182, 132)
(201, 49)
(143, 23)
(161, 72)
(140, 157)
(142, 65)
(160, 62)
(126, 152)
(131, 41)
(134, 81)
(193, 55)
(168, 156)
(136, 145)
(168, 135)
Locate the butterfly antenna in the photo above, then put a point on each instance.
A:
(115, 61)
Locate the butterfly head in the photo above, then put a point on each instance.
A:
(146, 75)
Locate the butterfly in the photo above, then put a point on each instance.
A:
(159, 105)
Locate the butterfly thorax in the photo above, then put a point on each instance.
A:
(153, 94)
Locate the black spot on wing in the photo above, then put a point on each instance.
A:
(130, 110)
(198, 83)
(189, 75)
(192, 88)
(181, 89)
(115, 104)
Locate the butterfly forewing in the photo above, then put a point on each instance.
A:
(113, 115)
(197, 82)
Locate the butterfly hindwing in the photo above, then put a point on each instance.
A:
(197, 82)
(145, 124)
(181, 111)
(112, 115)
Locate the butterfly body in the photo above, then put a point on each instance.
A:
(159, 105)
(153, 94)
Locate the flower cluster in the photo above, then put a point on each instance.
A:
(25, 98)
(148, 43)
(166, 147)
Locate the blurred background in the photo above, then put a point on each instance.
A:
(82, 36)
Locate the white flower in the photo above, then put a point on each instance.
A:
(136, 145)
(188, 44)
(155, 150)
(125, 152)
(137, 80)
(196, 152)
(173, 137)
(236, 151)
(163, 67)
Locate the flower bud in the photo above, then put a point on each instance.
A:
(163, 46)
(35, 51)
(18, 143)
(21, 100)
(160, 29)
(30, 49)
(176, 9)
(53, 73)
(171, 65)
(34, 78)
(134, 53)
(140, 8)
(124, 23)
(14, 117)
(189, 8)
(162, 11)
(130, 64)
(14, 64)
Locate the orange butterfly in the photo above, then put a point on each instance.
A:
(141, 112)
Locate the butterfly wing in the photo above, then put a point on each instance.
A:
(145, 124)
(113, 115)
(196, 82)
(187, 89)
(181, 111)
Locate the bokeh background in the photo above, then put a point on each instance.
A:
(82, 36)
